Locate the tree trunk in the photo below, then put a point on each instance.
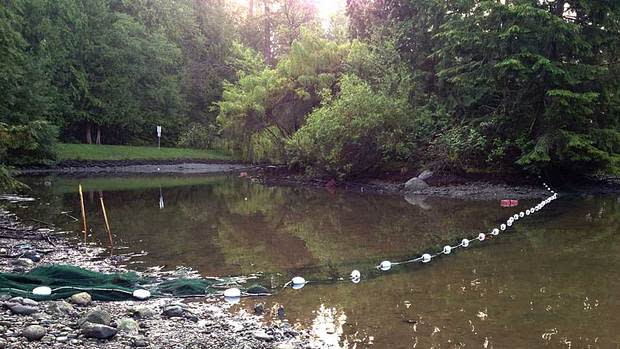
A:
(89, 133)
(267, 39)
(251, 9)
(98, 137)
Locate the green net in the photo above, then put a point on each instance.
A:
(66, 280)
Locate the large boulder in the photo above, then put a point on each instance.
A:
(22, 306)
(426, 174)
(415, 184)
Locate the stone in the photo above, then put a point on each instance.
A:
(62, 339)
(259, 309)
(173, 311)
(61, 307)
(143, 312)
(98, 331)
(34, 332)
(415, 184)
(262, 335)
(139, 342)
(32, 255)
(23, 262)
(127, 325)
(96, 316)
(426, 174)
(82, 298)
(21, 306)
(3, 343)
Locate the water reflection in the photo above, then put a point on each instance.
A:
(551, 282)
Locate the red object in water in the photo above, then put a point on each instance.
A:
(509, 203)
(243, 174)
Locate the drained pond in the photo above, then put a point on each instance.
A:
(552, 280)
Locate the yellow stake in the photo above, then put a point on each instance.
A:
(105, 217)
(83, 211)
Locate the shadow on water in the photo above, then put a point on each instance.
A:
(552, 281)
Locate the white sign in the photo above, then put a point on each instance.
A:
(158, 131)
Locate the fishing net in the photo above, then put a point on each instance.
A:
(66, 280)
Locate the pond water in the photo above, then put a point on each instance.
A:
(551, 281)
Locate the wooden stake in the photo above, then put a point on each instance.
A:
(105, 218)
(83, 211)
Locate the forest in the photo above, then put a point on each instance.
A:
(458, 85)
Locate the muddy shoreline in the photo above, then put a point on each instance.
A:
(205, 322)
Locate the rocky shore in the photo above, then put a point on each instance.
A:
(80, 322)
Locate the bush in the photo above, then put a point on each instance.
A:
(28, 144)
(199, 136)
(353, 133)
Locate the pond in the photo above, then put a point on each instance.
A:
(553, 280)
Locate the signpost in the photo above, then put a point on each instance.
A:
(158, 136)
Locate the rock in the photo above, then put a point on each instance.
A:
(96, 316)
(284, 346)
(426, 174)
(281, 313)
(259, 309)
(415, 184)
(139, 342)
(23, 262)
(127, 325)
(262, 335)
(32, 255)
(62, 339)
(34, 332)
(142, 312)
(3, 343)
(173, 311)
(99, 331)
(81, 298)
(21, 306)
(257, 289)
(61, 307)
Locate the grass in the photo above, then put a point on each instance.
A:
(124, 152)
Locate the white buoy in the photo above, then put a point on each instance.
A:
(495, 232)
(509, 223)
(232, 293)
(385, 265)
(465, 243)
(527, 212)
(521, 214)
(515, 217)
(232, 300)
(481, 236)
(298, 286)
(447, 249)
(426, 258)
(141, 294)
(355, 274)
(42, 291)
(502, 227)
(298, 280)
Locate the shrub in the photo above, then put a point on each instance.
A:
(353, 133)
(199, 136)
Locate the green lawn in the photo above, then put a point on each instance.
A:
(124, 152)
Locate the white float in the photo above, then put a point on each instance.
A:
(232, 293)
(465, 243)
(42, 291)
(495, 232)
(298, 280)
(141, 294)
(385, 265)
(481, 236)
(502, 227)
(521, 214)
(355, 274)
(447, 249)
(426, 258)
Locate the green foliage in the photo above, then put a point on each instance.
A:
(199, 137)
(122, 152)
(266, 106)
(353, 133)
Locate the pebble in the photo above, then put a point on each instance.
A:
(96, 316)
(127, 325)
(23, 262)
(82, 298)
(259, 309)
(173, 311)
(262, 335)
(34, 332)
(62, 339)
(99, 331)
